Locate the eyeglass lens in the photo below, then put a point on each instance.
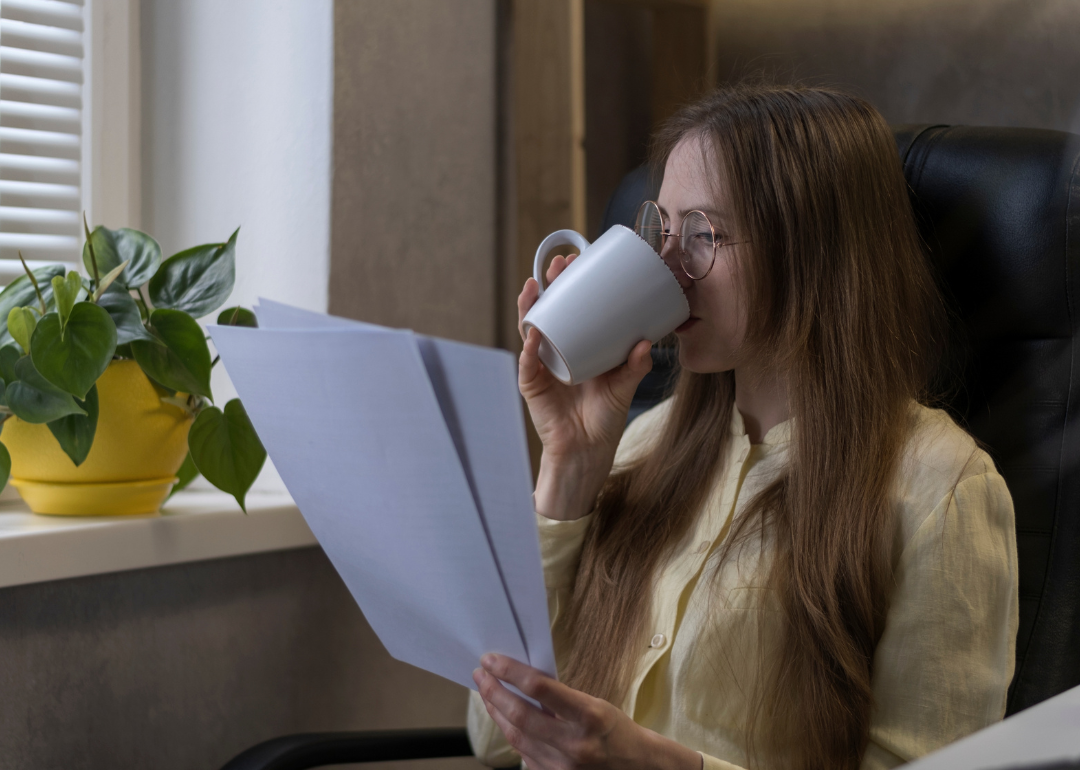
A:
(650, 226)
(698, 245)
(697, 239)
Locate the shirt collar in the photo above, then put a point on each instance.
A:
(776, 435)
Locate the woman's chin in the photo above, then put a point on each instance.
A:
(693, 360)
(688, 361)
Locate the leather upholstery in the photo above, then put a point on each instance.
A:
(999, 212)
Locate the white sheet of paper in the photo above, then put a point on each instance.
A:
(477, 392)
(353, 425)
(1045, 733)
(477, 389)
(278, 315)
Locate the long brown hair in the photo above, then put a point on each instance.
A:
(841, 295)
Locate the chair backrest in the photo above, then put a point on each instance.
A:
(999, 212)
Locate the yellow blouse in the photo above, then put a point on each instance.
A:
(945, 659)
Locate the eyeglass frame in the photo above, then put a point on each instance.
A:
(665, 233)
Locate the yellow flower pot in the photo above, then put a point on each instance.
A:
(139, 446)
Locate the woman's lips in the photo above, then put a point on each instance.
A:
(689, 322)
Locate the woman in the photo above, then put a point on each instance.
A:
(791, 563)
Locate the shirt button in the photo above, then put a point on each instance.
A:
(705, 544)
(658, 641)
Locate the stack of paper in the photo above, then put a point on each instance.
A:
(1045, 736)
(407, 457)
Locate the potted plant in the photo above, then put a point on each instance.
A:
(105, 381)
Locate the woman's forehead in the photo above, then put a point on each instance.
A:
(693, 180)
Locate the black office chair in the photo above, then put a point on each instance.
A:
(999, 211)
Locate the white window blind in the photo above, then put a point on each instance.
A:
(41, 133)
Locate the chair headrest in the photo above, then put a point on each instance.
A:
(999, 209)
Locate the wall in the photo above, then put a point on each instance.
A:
(236, 131)
(181, 668)
(236, 121)
(413, 223)
(981, 62)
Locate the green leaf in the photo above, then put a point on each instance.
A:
(187, 474)
(183, 362)
(3, 398)
(107, 280)
(34, 399)
(226, 449)
(113, 247)
(9, 355)
(121, 307)
(5, 466)
(66, 290)
(74, 357)
(21, 322)
(76, 431)
(20, 293)
(197, 280)
(237, 316)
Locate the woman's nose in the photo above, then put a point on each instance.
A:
(670, 254)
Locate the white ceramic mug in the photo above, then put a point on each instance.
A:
(615, 294)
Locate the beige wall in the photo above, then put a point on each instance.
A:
(183, 667)
(413, 211)
(981, 62)
(413, 217)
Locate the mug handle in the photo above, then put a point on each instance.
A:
(557, 238)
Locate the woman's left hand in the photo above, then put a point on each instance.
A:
(574, 730)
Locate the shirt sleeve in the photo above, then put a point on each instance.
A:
(560, 551)
(488, 743)
(944, 662)
(712, 763)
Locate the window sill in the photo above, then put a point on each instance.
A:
(194, 526)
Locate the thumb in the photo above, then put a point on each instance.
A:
(626, 378)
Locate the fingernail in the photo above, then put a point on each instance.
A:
(487, 660)
(477, 674)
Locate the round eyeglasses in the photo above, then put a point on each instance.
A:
(698, 239)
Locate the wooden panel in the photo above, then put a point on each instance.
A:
(644, 58)
(618, 97)
(413, 208)
(973, 62)
(680, 66)
(683, 51)
(549, 121)
(547, 41)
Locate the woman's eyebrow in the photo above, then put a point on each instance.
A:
(714, 215)
(710, 212)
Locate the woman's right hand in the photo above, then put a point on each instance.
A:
(579, 425)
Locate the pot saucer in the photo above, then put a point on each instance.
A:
(116, 498)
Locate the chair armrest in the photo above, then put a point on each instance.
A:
(305, 750)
